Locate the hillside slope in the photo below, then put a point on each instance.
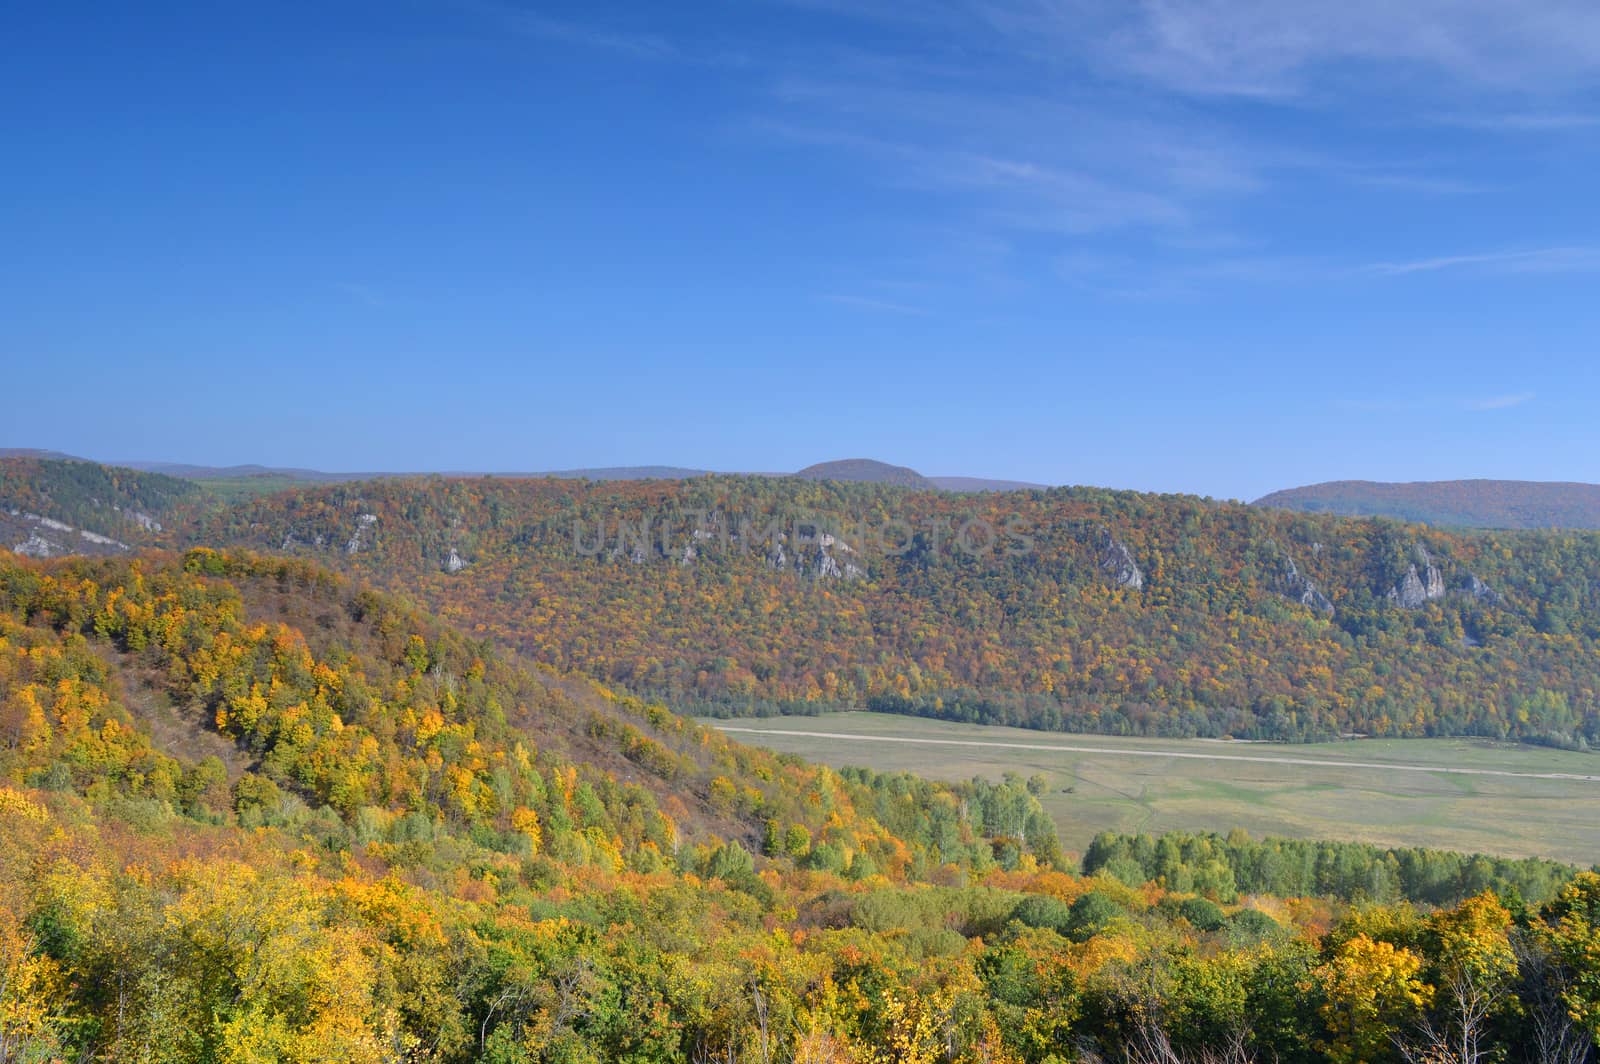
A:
(50, 507)
(416, 766)
(357, 702)
(411, 847)
(1068, 609)
(1452, 503)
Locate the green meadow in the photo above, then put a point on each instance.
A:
(1458, 794)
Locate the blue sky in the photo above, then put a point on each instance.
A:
(1206, 246)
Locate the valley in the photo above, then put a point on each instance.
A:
(1455, 794)
(641, 533)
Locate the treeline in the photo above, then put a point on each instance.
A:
(125, 940)
(1013, 608)
(1225, 867)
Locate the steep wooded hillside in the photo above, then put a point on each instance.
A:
(1064, 609)
(359, 704)
(50, 507)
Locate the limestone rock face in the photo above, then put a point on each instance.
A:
(827, 567)
(33, 536)
(633, 550)
(777, 558)
(833, 568)
(1116, 561)
(1477, 589)
(822, 556)
(1292, 583)
(143, 520)
(453, 562)
(291, 541)
(358, 541)
(1418, 587)
(36, 546)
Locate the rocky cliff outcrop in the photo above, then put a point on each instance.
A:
(1473, 587)
(1420, 585)
(1291, 583)
(143, 520)
(830, 565)
(358, 541)
(1417, 589)
(33, 536)
(291, 541)
(1116, 561)
(822, 557)
(36, 546)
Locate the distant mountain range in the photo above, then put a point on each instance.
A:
(1458, 503)
(1496, 504)
(868, 471)
(855, 470)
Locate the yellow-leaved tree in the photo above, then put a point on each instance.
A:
(1372, 993)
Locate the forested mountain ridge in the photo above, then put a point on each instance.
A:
(1452, 503)
(408, 846)
(1075, 609)
(50, 507)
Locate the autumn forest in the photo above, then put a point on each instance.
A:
(407, 770)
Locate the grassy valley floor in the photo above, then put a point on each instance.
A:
(1457, 794)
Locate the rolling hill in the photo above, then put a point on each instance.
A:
(1452, 503)
(865, 471)
(870, 471)
(1070, 609)
(252, 479)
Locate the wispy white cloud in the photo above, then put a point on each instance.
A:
(1039, 197)
(1561, 122)
(1187, 278)
(1088, 135)
(1279, 48)
(1077, 158)
(1501, 402)
(1273, 48)
(1539, 260)
(632, 43)
(868, 303)
(1027, 161)
(1418, 184)
(1269, 49)
(1423, 404)
(1021, 193)
(1182, 275)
